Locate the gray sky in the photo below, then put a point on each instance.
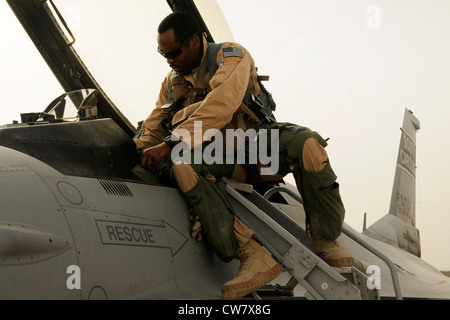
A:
(347, 69)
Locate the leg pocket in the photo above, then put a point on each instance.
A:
(324, 206)
(216, 216)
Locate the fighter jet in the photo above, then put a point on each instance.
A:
(81, 220)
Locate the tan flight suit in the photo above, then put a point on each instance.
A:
(222, 108)
(217, 102)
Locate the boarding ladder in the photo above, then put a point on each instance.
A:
(286, 240)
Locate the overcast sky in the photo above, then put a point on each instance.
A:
(347, 69)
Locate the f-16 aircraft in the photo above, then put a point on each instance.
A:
(81, 219)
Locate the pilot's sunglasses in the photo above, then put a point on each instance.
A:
(175, 52)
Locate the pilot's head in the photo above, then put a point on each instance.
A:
(180, 42)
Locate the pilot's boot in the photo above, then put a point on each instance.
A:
(332, 253)
(257, 269)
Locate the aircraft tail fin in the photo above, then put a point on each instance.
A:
(398, 227)
(403, 196)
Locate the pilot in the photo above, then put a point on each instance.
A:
(194, 100)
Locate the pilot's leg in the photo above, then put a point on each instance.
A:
(305, 151)
(207, 202)
(227, 235)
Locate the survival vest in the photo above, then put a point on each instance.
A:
(261, 105)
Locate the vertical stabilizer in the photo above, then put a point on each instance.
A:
(398, 227)
(403, 198)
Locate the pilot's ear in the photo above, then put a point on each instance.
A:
(197, 40)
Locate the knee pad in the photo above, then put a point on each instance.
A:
(314, 155)
(185, 176)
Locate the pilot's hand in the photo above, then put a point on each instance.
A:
(150, 157)
(196, 228)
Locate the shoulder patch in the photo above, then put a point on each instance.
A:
(232, 52)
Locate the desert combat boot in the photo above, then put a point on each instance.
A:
(257, 269)
(332, 253)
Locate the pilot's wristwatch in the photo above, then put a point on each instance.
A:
(168, 140)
